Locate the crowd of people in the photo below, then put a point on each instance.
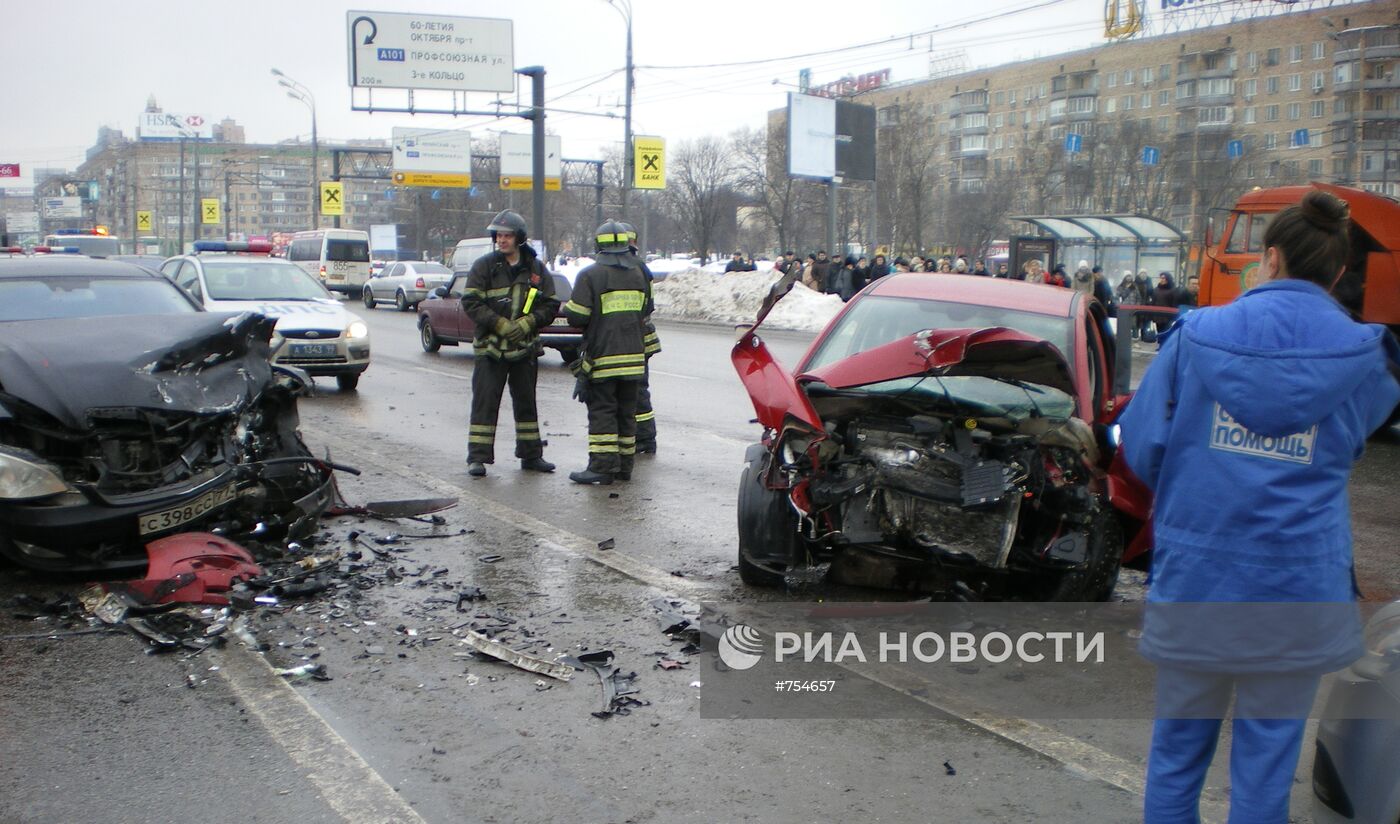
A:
(847, 276)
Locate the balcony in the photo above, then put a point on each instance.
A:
(1372, 53)
(968, 107)
(1081, 117)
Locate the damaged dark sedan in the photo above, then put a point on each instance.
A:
(942, 434)
(128, 413)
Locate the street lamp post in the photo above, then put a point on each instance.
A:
(297, 91)
(624, 7)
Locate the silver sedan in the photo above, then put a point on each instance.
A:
(404, 284)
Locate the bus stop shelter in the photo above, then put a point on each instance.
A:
(1115, 242)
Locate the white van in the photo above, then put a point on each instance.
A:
(468, 250)
(339, 257)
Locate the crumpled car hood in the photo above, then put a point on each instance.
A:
(992, 352)
(197, 363)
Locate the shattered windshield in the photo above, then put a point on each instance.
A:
(1017, 400)
(875, 321)
(259, 280)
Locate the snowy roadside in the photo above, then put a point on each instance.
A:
(694, 295)
(702, 297)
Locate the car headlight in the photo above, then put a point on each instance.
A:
(23, 478)
(358, 329)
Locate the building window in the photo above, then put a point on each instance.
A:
(1112, 79)
(1128, 101)
(1315, 167)
(1271, 58)
(1083, 105)
(1251, 88)
(1000, 98)
(1057, 108)
(974, 141)
(997, 121)
(1295, 111)
(1295, 53)
(1295, 82)
(1319, 50)
(1271, 113)
(1011, 97)
(1185, 89)
(1249, 115)
(1215, 115)
(1147, 76)
(1216, 86)
(1271, 85)
(1111, 105)
(1345, 73)
(1319, 81)
(1270, 141)
(1164, 97)
(1127, 77)
(1146, 102)
(1163, 123)
(1319, 108)
(1249, 171)
(1251, 60)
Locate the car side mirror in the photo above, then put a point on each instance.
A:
(440, 292)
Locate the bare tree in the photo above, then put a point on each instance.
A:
(974, 219)
(906, 172)
(697, 189)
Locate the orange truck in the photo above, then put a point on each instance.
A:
(1370, 288)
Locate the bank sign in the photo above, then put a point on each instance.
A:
(168, 126)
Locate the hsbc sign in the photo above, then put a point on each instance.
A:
(170, 126)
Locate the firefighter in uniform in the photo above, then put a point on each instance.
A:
(646, 416)
(611, 301)
(509, 296)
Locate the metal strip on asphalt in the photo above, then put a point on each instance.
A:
(348, 784)
(1073, 753)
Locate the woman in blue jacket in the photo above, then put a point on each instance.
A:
(1246, 428)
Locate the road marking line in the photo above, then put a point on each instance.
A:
(1071, 752)
(674, 375)
(347, 783)
(444, 374)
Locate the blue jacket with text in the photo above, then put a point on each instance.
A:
(1246, 428)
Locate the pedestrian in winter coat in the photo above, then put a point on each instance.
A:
(916, 264)
(1003, 271)
(736, 264)
(1164, 294)
(1083, 280)
(980, 269)
(901, 265)
(844, 279)
(1246, 427)
(1033, 271)
(879, 268)
(1127, 292)
(1057, 276)
(821, 270)
(1104, 292)
(960, 268)
(862, 275)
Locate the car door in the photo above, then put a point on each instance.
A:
(384, 285)
(446, 313)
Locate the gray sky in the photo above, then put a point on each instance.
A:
(73, 66)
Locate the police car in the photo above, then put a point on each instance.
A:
(314, 331)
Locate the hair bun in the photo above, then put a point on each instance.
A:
(1325, 211)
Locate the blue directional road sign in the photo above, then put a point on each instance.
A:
(471, 192)
(437, 194)
(1150, 155)
(1300, 138)
(1074, 143)
(1234, 149)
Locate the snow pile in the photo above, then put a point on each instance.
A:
(699, 296)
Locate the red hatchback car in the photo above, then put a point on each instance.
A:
(441, 320)
(943, 432)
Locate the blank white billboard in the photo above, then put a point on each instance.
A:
(811, 136)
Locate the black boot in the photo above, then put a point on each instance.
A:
(536, 465)
(589, 476)
(476, 469)
(646, 447)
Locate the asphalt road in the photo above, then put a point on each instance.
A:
(92, 730)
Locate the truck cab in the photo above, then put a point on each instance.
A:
(1370, 287)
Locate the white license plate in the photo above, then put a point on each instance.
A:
(183, 514)
(312, 350)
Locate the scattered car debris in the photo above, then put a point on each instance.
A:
(619, 689)
(521, 660)
(491, 559)
(315, 672)
(948, 768)
(606, 544)
(670, 664)
(407, 508)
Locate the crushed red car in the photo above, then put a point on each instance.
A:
(943, 433)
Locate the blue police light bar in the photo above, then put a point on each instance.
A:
(68, 232)
(252, 247)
